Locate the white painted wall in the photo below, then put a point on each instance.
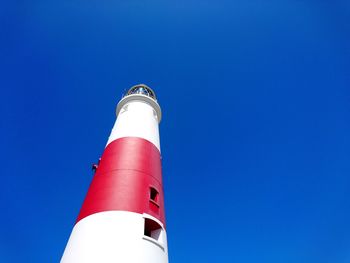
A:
(136, 119)
(114, 236)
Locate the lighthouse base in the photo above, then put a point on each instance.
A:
(118, 237)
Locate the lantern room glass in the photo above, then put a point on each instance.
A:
(144, 90)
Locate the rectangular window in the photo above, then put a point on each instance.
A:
(153, 230)
(154, 195)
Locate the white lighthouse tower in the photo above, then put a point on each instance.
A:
(122, 219)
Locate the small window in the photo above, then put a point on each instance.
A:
(124, 109)
(155, 114)
(153, 230)
(154, 195)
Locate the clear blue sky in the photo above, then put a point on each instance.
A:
(255, 133)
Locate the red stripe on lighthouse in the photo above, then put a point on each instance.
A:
(130, 167)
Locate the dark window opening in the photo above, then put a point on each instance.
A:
(154, 195)
(153, 230)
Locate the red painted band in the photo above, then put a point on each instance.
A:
(129, 167)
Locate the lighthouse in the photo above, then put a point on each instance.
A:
(122, 219)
